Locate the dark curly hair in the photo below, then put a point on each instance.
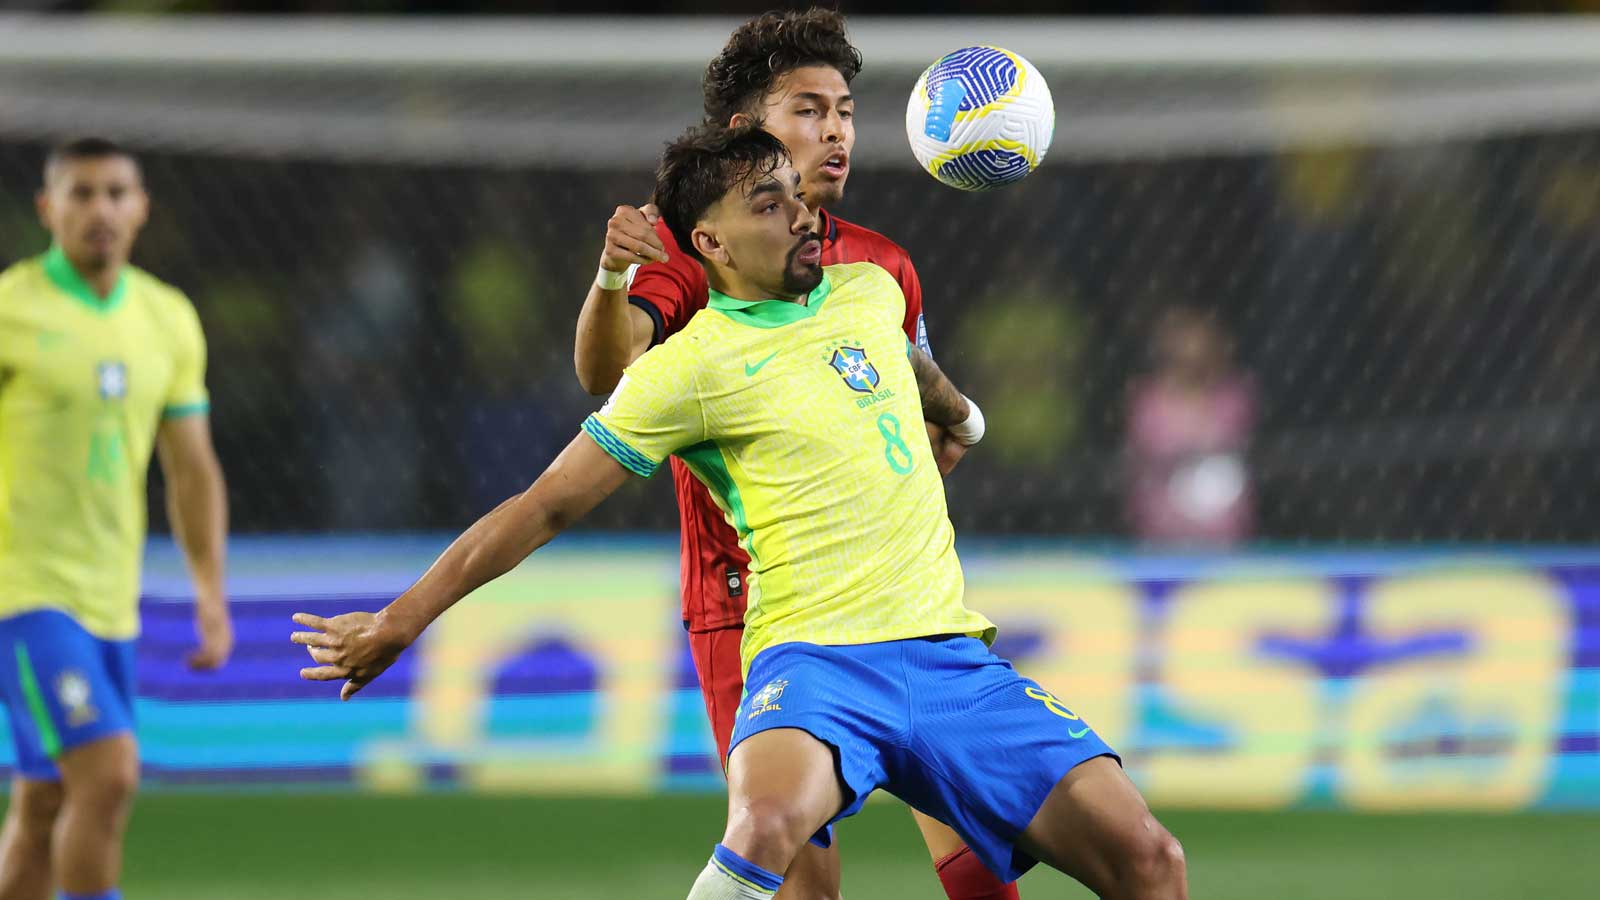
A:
(703, 165)
(769, 46)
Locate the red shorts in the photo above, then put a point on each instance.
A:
(716, 661)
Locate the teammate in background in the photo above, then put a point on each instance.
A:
(873, 673)
(790, 72)
(99, 364)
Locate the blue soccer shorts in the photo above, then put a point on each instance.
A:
(942, 723)
(63, 688)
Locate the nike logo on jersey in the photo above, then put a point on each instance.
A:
(752, 370)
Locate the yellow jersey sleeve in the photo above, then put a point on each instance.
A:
(655, 410)
(187, 394)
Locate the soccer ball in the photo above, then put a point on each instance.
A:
(980, 118)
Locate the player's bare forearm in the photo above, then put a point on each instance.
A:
(575, 483)
(360, 646)
(197, 500)
(942, 404)
(612, 333)
(197, 506)
(493, 546)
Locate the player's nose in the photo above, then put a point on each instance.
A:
(102, 208)
(805, 221)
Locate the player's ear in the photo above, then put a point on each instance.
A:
(707, 245)
(142, 199)
(740, 120)
(41, 206)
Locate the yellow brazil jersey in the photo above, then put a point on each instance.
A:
(84, 384)
(806, 424)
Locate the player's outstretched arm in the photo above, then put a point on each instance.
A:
(358, 647)
(197, 507)
(612, 332)
(954, 422)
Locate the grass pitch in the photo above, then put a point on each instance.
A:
(251, 846)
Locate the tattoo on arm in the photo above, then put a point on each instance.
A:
(942, 404)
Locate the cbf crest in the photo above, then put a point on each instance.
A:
(72, 689)
(111, 377)
(852, 365)
(766, 699)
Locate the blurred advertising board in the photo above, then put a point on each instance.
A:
(1366, 680)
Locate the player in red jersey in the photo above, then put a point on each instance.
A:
(792, 72)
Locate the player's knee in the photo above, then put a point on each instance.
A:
(1173, 868)
(769, 827)
(35, 805)
(120, 784)
(109, 790)
(1157, 868)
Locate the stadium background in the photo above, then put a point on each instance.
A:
(1390, 688)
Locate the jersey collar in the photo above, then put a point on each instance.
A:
(770, 313)
(828, 227)
(61, 272)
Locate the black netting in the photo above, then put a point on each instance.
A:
(1412, 332)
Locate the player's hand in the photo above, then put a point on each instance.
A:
(631, 238)
(947, 451)
(356, 647)
(214, 629)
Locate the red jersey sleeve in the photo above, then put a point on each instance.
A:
(916, 329)
(847, 242)
(670, 292)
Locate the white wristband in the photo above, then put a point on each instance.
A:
(969, 432)
(608, 280)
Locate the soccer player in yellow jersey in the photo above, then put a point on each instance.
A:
(796, 398)
(100, 364)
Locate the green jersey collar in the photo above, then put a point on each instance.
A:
(770, 313)
(65, 277)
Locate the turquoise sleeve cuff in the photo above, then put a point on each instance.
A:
(617, 449)
(186, 409)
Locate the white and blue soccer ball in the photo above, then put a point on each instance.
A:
(980, 118)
